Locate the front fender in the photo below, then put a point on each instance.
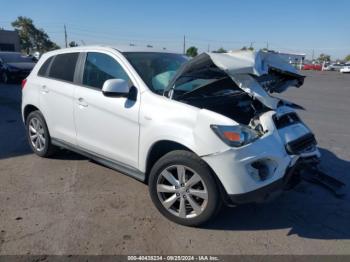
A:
(162, 119)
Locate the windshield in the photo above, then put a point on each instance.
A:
(16, 58)
(156, 69)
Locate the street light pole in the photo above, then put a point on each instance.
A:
(65, 36)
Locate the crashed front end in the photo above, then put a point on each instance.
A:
(267, 166)
(238, 85)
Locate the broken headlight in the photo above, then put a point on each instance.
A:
(235, 136)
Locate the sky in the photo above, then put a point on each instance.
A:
(310, 27)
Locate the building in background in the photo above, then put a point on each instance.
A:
(293, 58)
(9, 41)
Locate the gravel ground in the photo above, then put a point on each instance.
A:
(70, 205)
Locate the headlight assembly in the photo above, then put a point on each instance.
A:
(235, 136)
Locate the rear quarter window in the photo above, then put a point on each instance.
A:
(63, 66)
(43, 69)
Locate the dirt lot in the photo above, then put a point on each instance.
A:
(70, 205)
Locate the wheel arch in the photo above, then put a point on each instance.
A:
(27, 110)
(162, 147)
(159, 149)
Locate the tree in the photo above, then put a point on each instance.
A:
(73, 44)
(324, 58)
(220, 50)
(347, 58)
(32, 38)
(192, 51)
(244, 48)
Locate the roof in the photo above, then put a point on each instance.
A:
(120, 48)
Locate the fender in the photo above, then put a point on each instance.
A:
(190, 128)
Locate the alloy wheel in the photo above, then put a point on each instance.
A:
(182, 191)
(37, 134)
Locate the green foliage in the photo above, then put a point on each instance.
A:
(73, 44)
(347, 58)
(244, 48)
(192, 51)
(324, 58)
(31, 38)
(220, 50)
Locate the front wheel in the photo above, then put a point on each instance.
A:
(183, 188)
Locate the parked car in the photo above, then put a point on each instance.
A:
(333, 67)
(316, 67)
(14, 66)
(199, 132)
(345, 68)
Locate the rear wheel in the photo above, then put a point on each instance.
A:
(4, 77)
(183, 188)
(38, 135)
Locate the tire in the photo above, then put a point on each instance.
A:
(4, 78)
(36, 125)
(188, 202)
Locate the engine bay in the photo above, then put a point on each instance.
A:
(224, 97)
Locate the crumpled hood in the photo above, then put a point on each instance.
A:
(257, 73)
(248, 62)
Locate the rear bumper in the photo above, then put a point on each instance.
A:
(18, 75)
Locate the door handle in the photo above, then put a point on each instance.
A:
(44, 89)
(82, 102)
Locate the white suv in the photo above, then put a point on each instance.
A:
(199, 132)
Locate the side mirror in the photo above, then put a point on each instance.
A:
(116, 88)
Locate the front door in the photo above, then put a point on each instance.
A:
(107, 126)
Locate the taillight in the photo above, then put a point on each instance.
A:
(24, 81)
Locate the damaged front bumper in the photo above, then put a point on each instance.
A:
(290, 179)
(264, 168)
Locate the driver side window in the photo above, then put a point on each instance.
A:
(100, 67)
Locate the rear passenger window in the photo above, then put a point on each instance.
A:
(43, 69)
(100, 67)
(63, 66)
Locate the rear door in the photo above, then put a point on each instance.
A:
(56, 87)
(106, 126)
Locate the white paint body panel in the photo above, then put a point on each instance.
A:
(125, 131)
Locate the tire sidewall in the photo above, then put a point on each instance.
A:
(40, 117)
(4, 77)
(192, 161)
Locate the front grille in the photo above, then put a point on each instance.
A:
(303, 144)
(286, 120)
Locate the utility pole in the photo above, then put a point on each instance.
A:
(65, 36)
(267, 45)
(208, 48)
(184, 47)
(313, 53)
